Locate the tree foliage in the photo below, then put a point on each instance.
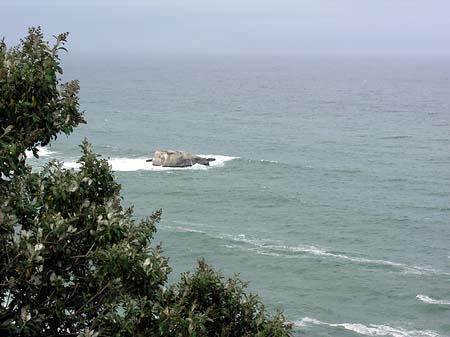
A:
(34, 106)
(73, 261)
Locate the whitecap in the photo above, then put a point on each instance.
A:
(273, 246)
(140, 164)
(71, 165)
(251, 249)
(219, 160)
(43, 152)
(184, 223)
(430, 300)
(228, 246)
(184, 229)
(277, 248)
(269, 161)
(368, 330)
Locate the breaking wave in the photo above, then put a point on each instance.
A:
(265, 247)
(430, 300)
(137, 164)
(43, 152)
(276, 248)
(368, 330)
(269, 161)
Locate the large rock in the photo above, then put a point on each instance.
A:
(178, 159)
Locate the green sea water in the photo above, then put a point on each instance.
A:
(331, 189)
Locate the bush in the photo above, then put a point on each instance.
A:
(34, 106)
(73, 262)
(203, 304)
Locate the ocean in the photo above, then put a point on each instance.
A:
(330, 194)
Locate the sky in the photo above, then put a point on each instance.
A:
(372, 27)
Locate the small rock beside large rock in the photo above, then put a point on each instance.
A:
(171, 158)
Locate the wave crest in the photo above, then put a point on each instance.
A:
(430, 300)
(265, 246)
(368, 330)
(277, 248)
(42, 152)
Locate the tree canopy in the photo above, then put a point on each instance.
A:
(73, 260)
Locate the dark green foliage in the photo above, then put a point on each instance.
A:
(204, 305)
(74, 252)
(73, 261)
(34, 106)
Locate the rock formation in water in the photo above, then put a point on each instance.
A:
(178, 159)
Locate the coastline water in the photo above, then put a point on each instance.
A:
(331, 189)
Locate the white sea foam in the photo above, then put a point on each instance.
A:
(71, 165)
(269, 161)
(43, 152)
(184, 229)
(430, 300)
(137, 164)
(368, 330)
(313, 250)
(255, 250)
(219, 160)
(228, 246)
(277, 248)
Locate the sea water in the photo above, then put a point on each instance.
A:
(330, 192)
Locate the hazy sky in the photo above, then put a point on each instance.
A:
(409, 27)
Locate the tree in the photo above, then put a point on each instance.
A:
(73, 261)
(34, 107)
(203, 304)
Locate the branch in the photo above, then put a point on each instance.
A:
(91, 299)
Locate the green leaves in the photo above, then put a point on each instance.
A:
(73, 253)
(205, 304)
(34, 104)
